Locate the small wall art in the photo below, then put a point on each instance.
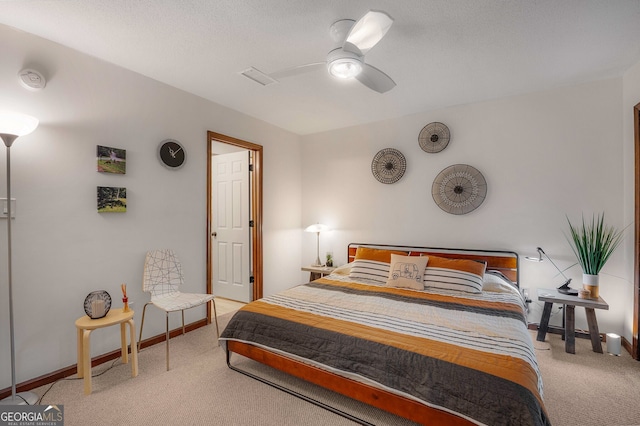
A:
(112, 160)
(388, 165)
(112, 199)
(434, 137)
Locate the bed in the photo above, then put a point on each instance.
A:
(437, 336)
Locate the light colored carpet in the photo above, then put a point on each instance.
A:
(587, 388)
(582, 389)
(198, 390)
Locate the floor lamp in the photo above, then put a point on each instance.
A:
(12, 126)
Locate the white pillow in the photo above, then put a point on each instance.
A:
(493, 282)
(407, 271)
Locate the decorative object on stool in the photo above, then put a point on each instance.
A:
(564, 288)
(12, 126)
(317, 228)
(125, 299)
(613, 344)
(97, 304)
(593, 243)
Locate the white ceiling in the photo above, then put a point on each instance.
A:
(439, 52)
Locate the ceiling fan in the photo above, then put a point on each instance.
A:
(346, 60)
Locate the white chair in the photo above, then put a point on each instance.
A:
(162, 278)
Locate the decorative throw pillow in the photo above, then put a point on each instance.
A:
(372, 264)
(454, 274)
(407, 271)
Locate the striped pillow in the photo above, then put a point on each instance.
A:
(454, 274)
(372, 264)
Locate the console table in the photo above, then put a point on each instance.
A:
(551, 296)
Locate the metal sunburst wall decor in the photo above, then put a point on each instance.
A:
(388, 165)
(459, 189)
(434, 137)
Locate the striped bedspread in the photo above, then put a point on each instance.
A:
(471, 355)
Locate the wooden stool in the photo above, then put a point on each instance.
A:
(86, 325)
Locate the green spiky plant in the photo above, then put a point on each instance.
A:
(593, 243)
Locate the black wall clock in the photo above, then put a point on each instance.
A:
(172, 154)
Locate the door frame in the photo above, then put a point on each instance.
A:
(635, 350)
(256, 210)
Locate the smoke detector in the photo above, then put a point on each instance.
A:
(31, 79)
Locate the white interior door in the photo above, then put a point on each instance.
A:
(230, 234)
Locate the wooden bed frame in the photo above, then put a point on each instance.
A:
(504, 261)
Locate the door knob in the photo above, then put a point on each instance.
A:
(215, 234)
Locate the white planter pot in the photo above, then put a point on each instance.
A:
(591, 283)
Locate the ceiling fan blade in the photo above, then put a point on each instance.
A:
(375, 79)
(367, 32)
(300, 69)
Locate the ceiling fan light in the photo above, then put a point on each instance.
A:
(345, 68)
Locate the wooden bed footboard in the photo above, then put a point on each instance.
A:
(379, 398)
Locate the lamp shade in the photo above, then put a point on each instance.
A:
(316, 227)
(12, 123)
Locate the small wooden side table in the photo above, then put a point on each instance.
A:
(316, 272)
(86, 325)
(551, 296)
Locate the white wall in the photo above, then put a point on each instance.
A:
(543, 155)
(63, 248)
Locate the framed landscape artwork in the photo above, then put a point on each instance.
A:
(112, 199)
(112, 160)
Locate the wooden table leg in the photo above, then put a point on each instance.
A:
(80, 355)
(134, 352)
(596, 345)
(570, 329)
(544, 322)
(86, 360)
(123, 343)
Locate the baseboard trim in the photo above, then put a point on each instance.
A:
(100, 359)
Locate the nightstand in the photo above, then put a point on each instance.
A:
(317, 271)
(551, 296)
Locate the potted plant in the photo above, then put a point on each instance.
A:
(593, 243)
(329, 260)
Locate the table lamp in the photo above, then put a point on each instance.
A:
(564, 288)
(317, 228)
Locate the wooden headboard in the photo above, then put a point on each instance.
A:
(505, 262)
